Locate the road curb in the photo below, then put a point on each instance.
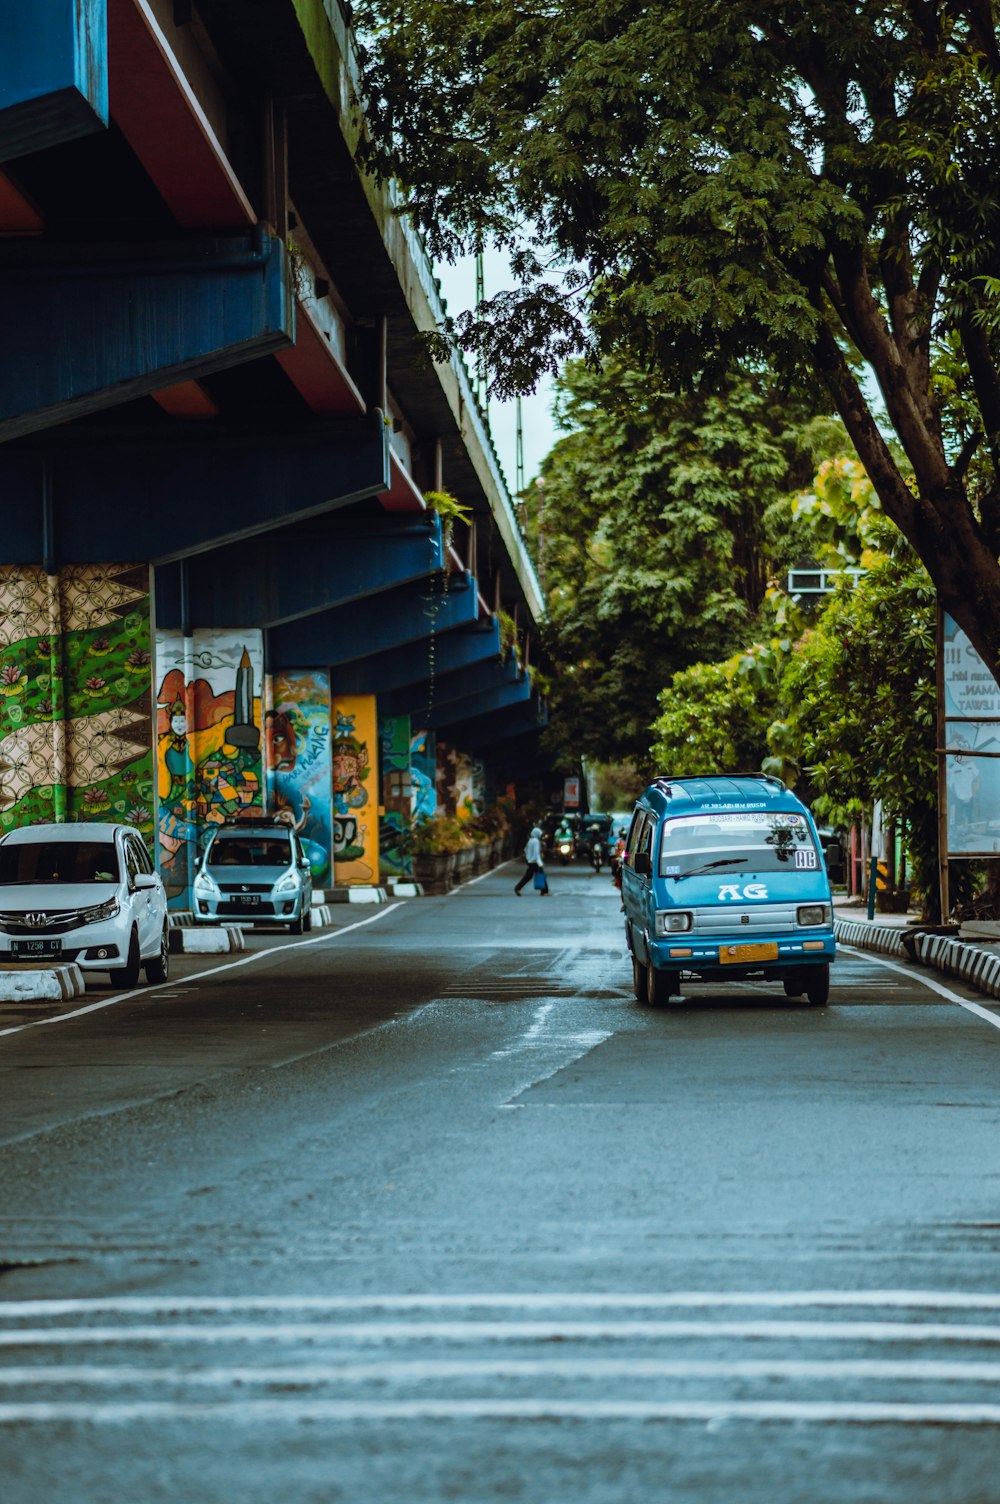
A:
(978, 965)
(180, 919)
(358, 894)
(41, 984)
(884, 938)
(212, 940)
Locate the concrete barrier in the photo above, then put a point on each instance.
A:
(976, 964)
(180, 919)
(210, 940)
(359, 893)
(41, 984)
(887, 939)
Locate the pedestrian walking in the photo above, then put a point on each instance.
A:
(534, 869)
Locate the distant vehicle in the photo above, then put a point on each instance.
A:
(592, 840)
(254, 870)
(724, 878)
(87, 893)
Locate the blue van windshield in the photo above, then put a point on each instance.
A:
(756, 842)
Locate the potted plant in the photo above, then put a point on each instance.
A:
(434, 847)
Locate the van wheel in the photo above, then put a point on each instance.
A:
(639, 979)
(818, 985)
(128, 975)
(793, 985)
(660, 986)
(158, 969)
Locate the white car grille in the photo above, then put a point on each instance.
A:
(746, 919)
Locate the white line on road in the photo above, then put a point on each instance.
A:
(422, 1370)
(171, 1305)
(929, 982)
(375, 1332)
(824, 1412)
(199, 976)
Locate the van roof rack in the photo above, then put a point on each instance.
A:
(664, 781)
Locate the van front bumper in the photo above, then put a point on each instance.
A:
(766, 956)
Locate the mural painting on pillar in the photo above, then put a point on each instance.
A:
(297, 758)
(208, 743)
(394, 818)
(461, 783)
(354, 763)
(423, 774)
(75, 695)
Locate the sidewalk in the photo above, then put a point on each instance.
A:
(974, 961)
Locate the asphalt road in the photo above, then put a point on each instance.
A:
(430, 1208)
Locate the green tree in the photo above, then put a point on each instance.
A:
(698, 182)
(649, 525)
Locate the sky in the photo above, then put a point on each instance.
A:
(458, 288)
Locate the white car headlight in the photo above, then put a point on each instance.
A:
(672, 921)
(288, 883)
(100, 911)
(814, 913)
(205, 884)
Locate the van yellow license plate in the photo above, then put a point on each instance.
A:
(738, 955)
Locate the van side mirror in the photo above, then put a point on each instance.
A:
(642, 865)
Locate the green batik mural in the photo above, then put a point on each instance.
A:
(395, 814)
(75, 695)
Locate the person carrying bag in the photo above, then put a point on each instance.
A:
(534, 869)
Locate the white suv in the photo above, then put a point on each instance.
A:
(255, 870)
(86, 893)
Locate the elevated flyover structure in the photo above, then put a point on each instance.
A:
(222, 592)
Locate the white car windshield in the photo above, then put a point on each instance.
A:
(58, 862)
(751, 841)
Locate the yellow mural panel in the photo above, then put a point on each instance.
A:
(354, 759)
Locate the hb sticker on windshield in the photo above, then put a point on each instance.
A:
(733, 893)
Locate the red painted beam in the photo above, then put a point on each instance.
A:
(160, 116)
(314, 367)
(403, 494)
(18, 216)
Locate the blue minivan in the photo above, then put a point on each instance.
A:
(724, 878)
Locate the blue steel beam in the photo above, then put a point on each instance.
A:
(379, 624)
(81, 334)
(265, 582)
(485, 731)
(165, 498)
(486, 702)
(405, 666)
(444, 689)
(53, 72)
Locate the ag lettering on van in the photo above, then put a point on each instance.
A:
(733, 893)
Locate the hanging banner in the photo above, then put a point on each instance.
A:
(354, 764)
(971, 747)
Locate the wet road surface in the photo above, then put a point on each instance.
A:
(429, 1207)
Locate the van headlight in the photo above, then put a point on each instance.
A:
(672, 921)
(288, 883)
(100, 911)
(814, 913)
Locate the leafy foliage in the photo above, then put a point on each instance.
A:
(695, 183)
(649, 527)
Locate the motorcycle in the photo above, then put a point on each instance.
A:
(597, 855)
(564, 851)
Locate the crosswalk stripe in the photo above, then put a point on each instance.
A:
(508, 1331)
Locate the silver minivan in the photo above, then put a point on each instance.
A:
(254, 871)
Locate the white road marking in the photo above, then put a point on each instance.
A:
(245, 960)
(172, 1305)
(422, 1370)
(929, 982)
(257, 1411)
(376, 1333)
(474, 880)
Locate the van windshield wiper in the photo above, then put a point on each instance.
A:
(726, 861)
